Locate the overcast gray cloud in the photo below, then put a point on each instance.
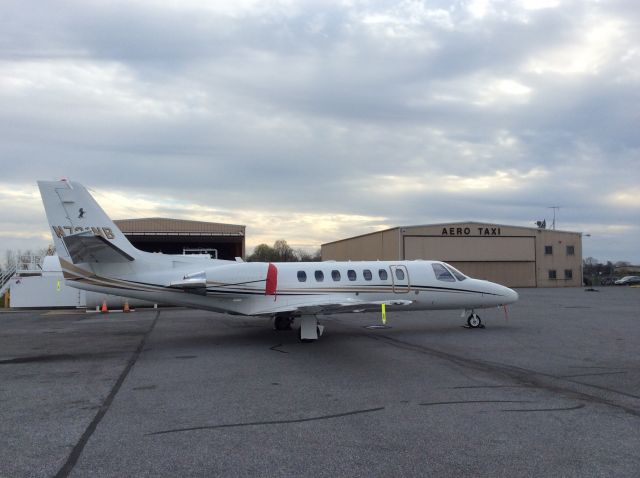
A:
(314, 121)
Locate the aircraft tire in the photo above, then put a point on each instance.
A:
(282, 323)
(474, 321)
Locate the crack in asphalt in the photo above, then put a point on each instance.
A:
(582, 405)
(520, 375)
(590, 374)
(269, 422)
(73, 457)
(459, 402)
(39, 358)
(58, 357)
(276, 349)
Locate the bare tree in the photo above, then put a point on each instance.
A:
(281, 252)
(284, 252)
(304, 256)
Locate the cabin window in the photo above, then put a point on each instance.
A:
(456, 273)
(302, 276)
(367, 274)
(399, 274)
(351, 274)
(319, 276)
(442, 273)
(382, 274)
(335, 275)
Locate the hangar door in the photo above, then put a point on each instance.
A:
(507, 260)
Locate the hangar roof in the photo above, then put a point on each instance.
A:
(448, 224)
(165, 226)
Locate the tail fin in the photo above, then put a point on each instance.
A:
(81, 230)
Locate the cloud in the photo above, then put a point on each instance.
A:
(325, 119)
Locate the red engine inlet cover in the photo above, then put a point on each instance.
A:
(272, 280)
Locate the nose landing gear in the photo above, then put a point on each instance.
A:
(474, 322)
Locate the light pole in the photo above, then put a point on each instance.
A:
(582, 260)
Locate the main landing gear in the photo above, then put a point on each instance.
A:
(310, 329)
(282, 322)
(474, 322)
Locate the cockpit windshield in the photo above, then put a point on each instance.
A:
(458, 275)
(445, 272)
(442, 273)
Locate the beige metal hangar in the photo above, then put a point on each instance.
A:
(511, 255)
(178, 236)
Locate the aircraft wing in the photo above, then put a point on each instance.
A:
(335, 305)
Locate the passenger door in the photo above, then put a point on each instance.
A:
(400, 279)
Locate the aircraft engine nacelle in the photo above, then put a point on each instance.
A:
(243, 276)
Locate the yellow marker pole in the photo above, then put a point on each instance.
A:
(58, 286)
(384, 314)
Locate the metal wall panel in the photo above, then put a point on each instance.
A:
(470, 248)
(512, 274)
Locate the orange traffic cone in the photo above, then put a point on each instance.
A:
(104, 307)
(126, 306)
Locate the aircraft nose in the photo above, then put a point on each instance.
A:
(511, 295)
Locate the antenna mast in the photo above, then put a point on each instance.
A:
(553, 224)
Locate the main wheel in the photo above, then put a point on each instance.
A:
(282, 323)
(474, 321)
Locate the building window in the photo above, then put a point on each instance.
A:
(571, 250)
(568, 274)
(335, 275)
(552, 274)
(319, 276)
(351, 275)
(367, 274)
(302, 276)
(382, 274)
(548, 250)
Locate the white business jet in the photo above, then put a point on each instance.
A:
(96, 256)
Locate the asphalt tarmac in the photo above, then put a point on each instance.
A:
(552, 391)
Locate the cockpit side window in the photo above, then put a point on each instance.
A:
(456, 273)
(442, 273)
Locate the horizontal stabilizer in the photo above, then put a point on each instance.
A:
(87, 247)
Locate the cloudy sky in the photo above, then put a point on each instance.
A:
(317, 120)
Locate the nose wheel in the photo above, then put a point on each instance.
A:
(474, 322)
